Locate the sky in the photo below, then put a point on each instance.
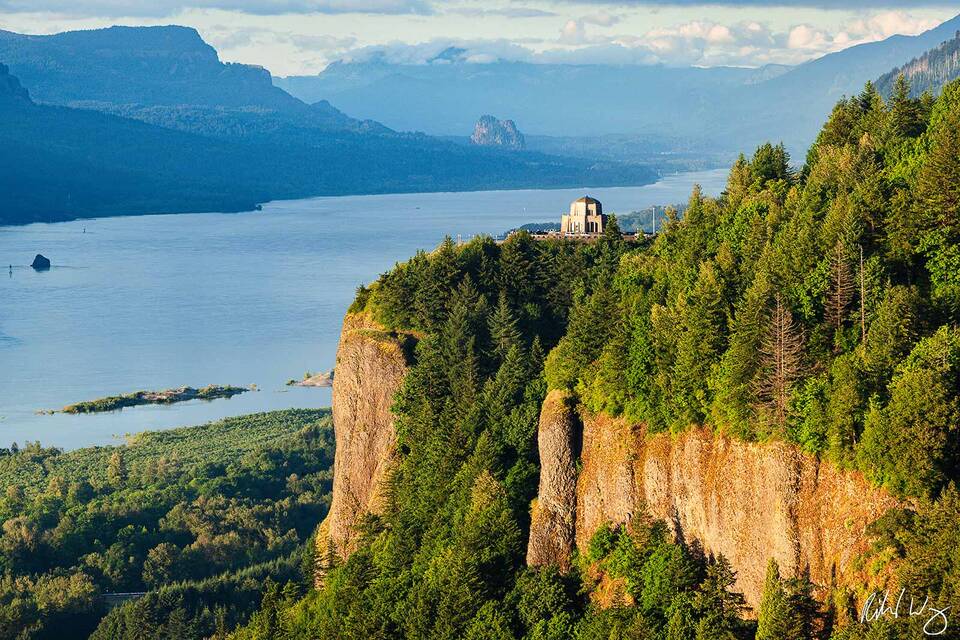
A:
(298, 37)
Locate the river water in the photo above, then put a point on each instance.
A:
(152, 302)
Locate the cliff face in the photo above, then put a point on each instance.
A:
(371, 364)
(747, 501)
(554, 510)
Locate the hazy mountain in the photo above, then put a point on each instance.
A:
(928, 72)
(59, 163)
(799, 101)
(162, 75)
(446, 97)
(490, 132)
(728, 107)
(135, 65)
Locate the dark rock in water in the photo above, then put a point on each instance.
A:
(40, 263)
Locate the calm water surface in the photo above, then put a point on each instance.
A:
(154, 302)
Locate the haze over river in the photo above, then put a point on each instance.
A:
(153, 302)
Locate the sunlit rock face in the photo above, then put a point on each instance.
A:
(747, 501)
(371, 363)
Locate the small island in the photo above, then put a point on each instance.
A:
(168, 396)
(313, 380)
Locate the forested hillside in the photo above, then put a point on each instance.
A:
(201, 517)
(816, 306)
(929, 72)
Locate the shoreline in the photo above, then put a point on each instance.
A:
(261, 207)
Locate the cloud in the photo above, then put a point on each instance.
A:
(574, 32)
(805, 37)
(602, 19)
(226, 38)
(593, 40)
(506, 12)
(443, 51)
(811, 4)
(157, 8)
(745, 43)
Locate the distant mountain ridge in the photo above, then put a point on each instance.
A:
(928, 72)
(544, 99)
(60, 163)
(799, 101)
(135, 65)
(162, 75)
(732, 108)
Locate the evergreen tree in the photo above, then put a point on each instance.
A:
(718, 607)
(904, 110)
(504, 331)
(938, 199)
(681, 624)
(775, 620)
(117, 469)
(435, 286)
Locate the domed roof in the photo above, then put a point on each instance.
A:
(588, 200)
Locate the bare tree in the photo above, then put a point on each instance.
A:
(863, 301)
(781, 354)
(841, 290)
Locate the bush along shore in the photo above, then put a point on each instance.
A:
(168, 396)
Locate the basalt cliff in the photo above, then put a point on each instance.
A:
(371, 363)
(747, 501)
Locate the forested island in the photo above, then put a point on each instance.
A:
(167, 396)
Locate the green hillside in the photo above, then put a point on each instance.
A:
(200, 517)
(817, 306)
(926, 73)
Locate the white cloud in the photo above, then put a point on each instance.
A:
(602, 19)
(503, 12)
(812, 40)
(574, 32)
(745, 43)
(442, 51)
(888, 23)
(145, 8)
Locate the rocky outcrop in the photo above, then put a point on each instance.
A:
(10, 88)
(748, 501)
(371, 363)
(491, 132)
(554, 510)
(40, 263)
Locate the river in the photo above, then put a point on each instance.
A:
(152, 302)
